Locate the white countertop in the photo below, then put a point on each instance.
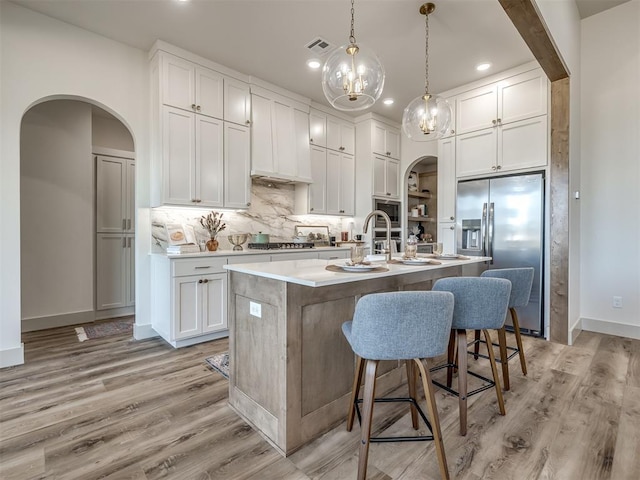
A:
(312, 273)
(251, 251)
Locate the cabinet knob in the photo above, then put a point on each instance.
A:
(494, 122)
(248, 204)
(452, 227)
(311, 140)
(388, 154)
(248, 122)
(193, 200)
(452, 132)
(493, 168)
(207, 280)
(198, 108)
(388, 194)
(451, 218)
(499, 167)
(311, 209)
(499, 120)
(342, 148)
(193, 106)
(200, 281)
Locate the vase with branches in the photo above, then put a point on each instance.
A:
(213, 224)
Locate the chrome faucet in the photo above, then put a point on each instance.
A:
(386, 218)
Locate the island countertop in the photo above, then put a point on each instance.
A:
(313, 273)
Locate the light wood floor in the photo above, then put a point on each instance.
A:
(116, 408)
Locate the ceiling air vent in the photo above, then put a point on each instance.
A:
(319, 46)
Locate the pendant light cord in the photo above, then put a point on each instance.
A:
(426, 53)
(352, 37)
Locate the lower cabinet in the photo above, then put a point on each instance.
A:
(447, 236)
(200, 305)
(115, 271)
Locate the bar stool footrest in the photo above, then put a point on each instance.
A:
(515, 351)
(489, 383)
(418, 438)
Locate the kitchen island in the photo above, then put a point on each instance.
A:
(291, 368)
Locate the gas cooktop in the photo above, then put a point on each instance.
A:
(280, 245)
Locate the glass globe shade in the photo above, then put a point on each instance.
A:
(352, 82)
(422, 121)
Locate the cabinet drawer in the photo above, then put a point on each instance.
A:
(195, 266)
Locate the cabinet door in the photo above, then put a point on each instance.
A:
(131, 196)
(348, 138)
(317, 128)
(302, 157)
(178, 82)
(333, 182)
(318, 189)
(379, 139)
(237, 166)
(284, 139)
(214, 302)
(209, 93)
(476, 109)
(111, 194)
(447, 236)
(130, 271)
(379, 172)
(178, 157)
(261, 138)
(111, 271)
(392, 177)
(446, 180)
(393, 143)
(347, 184)
(209, 161)
(476, 152)
(237, 102)
(522, 96)
(452, 127)
(187, 308)
(523, 144)
(334, 133)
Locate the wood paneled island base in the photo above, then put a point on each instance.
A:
(291, 368)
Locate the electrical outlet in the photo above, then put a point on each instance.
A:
(617, 302)
(255, 309)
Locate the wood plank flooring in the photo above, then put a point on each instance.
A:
(115, 408)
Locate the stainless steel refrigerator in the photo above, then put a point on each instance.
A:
(503, 218)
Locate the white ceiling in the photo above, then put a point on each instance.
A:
(586, 8)
(267, 38)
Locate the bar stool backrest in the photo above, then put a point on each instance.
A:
(480, 303)
(401, 325)
(521, 281)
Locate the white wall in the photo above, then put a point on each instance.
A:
(611, 170)
(56, 209)
(43, 59)
(563, 21)
(110, 133)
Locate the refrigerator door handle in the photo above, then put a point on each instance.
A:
(483, 230)
(490, 230)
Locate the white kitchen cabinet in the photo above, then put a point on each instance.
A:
(192, 159)
(452, 128)
(191, 87)
(200, 305)
(504, 148)
(386, 177)
(446, 180)
(115, 199)
(237, 166)
(385, 140)
(334, 255)
(317, 191)
(340, 183)
(340, 135)
(237, 102)
(114, 271)
(447, 236)
(317, 128)
(279, 137)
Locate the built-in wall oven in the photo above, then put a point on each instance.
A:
(391, 208)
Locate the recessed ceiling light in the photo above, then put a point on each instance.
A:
(313, 63)
(481, 67)
(388, 101)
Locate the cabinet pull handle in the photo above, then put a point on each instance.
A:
(124, 242)
(202, 267)
(206, 280)
(193, 106)
(129, 242)
(129, 224)
(124, 224)
(200, 281)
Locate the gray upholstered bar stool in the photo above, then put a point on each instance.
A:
(480, 304)
(411, 326)
(521, 281)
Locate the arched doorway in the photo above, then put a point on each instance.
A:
(58, 139)
(421, 180)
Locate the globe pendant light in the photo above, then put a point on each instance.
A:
(428, 116)
(352, 76)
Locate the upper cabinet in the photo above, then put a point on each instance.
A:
(115, 201)
(279, 137)
(318, 128)
(197, 158)
(386, 177)
(385, 140)
(502, 126)
(331, 132)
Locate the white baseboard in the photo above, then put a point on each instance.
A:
(12, 356)
(574, 331)
(140, 332)
(115, 313)
(611, 328)
(53, 321)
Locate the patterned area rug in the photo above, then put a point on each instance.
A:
(220, 363)
(106, 329)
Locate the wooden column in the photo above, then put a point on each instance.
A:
(530, 24)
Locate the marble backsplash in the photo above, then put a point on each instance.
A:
(272, 207)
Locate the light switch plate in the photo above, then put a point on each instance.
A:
(255, 309)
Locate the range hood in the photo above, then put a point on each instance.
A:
(278, 177)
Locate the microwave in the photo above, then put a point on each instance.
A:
(391, 208)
